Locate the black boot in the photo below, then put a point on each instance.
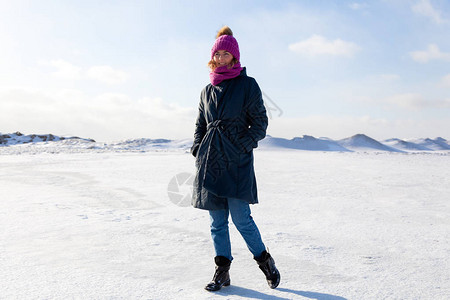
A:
(221, 276)
(267, 265)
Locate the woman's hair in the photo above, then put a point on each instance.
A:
(213, 65)
(225, 30)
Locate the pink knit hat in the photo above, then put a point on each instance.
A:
(226, 41)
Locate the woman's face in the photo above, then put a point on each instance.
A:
(223, 58)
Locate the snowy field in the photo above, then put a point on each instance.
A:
(101, 225)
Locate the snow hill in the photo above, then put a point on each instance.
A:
(406, 146)
(363, 142)
(19, 138)
(149, 144)
(356, 143)
(432, 144)
(17, 143)
(302, 143)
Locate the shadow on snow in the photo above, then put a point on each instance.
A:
(252, 294)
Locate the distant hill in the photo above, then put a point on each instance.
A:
(302, 143)
(19, 138)
(357, 143)
(363, 142)
(433, 144)
(149, 144)
(405, 146)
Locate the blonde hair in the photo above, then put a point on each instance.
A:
(213, 65)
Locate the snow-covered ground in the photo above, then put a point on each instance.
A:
(340, 225)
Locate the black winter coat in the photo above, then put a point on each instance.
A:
(231, 120)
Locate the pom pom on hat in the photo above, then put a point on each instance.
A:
(226, 41)
(225, 30)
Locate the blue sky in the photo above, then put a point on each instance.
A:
(127, 69)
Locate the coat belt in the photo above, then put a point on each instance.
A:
(216, 124)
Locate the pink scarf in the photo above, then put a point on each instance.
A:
(223, 73)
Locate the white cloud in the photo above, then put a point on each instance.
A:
(107, 74)
(104, 74)
(389, 77)
(414, 101)
(445, 82)
(64, 69)
(104, 117)
(424, 7)
(113, 116)
(407, 100)
(432, 53)
(319, 45)
(357, 5)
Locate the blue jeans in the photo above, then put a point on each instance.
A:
(242, 219)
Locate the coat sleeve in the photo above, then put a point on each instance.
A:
(200, 128)
(256, 119)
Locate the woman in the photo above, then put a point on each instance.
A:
(231, 121)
